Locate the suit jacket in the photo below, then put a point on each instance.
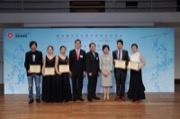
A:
(92, 63)
(125, 56)
(77, 66)
(29, 60)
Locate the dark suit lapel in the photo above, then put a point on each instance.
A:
(31, 57)
(80, 52)
(74, 52)
(123, 54)
(91, 55)
(95, 55)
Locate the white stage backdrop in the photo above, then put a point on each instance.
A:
(155, 44)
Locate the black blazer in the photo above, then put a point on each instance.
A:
(125, 56)
(29, 60)
(77, 66)
(92, 63)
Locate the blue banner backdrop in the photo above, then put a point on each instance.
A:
(155, 44)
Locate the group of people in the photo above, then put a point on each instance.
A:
(56, 88)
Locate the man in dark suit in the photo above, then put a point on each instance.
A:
(120, 74)
(33, 57)
(93, 70)
(77, 69)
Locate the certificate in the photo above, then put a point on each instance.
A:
(63, 68)
(49, 71)
(120, 64)
(133, 65)
(35, 68)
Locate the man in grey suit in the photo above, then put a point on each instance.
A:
(120, 74)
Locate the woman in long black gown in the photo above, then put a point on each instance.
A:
(63, 78)
(136, 88)
(48, 80)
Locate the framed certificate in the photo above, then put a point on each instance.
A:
(49, 71)
(64, 68)
(120, 64)
(35, 68)
(133, 65)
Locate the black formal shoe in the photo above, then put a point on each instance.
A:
(65, 101)
(81, 99)
(74, 100)
(38, 100)
(96, 98)
(31, 101)
(90, 99)
(135, 101)
(121, 98)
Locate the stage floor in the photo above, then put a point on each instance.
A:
(156, 106)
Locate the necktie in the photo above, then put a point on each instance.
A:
(119, 57)
(77, 54)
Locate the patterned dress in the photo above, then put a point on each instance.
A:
(106, 64)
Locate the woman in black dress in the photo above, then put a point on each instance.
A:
(64, 84)
(48, 79)
(136, 88)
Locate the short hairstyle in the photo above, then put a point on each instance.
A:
(134, 44)
(32, 42)
(92, 44)
(105, 46)
(62, 47)
(120, 41)
(77, 40)
(50, 46)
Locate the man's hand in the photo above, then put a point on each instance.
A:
(29, 71)
(90, 74)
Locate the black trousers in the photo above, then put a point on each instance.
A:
(77, 85)
(92, 82)
(120, 76)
